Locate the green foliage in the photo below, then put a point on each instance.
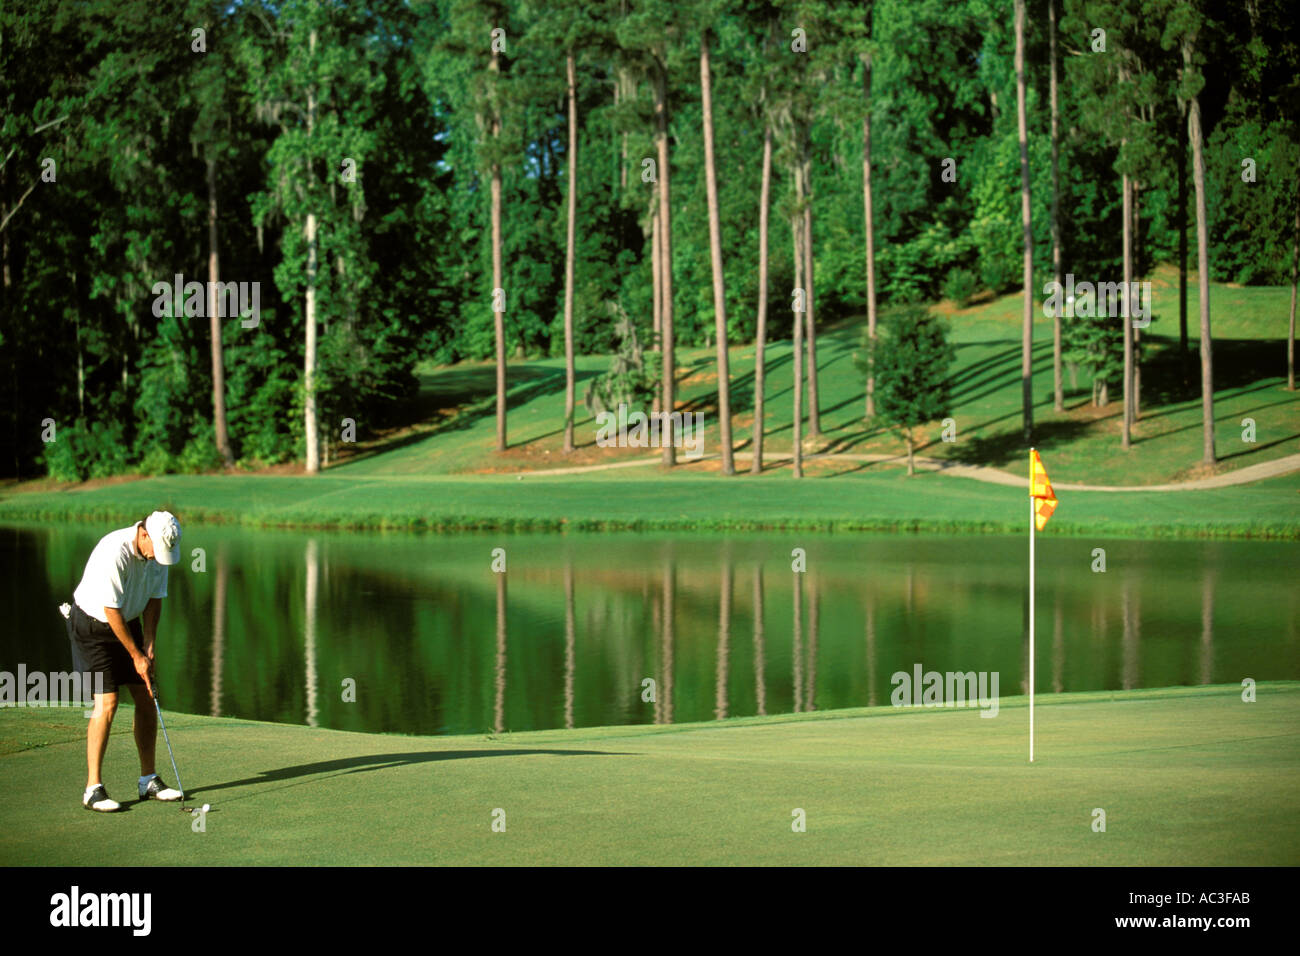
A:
(1095, 344)
(632, 376)
(911, 357)
(83, 450)
(404, 253)
(960, 285)
(1252, 239)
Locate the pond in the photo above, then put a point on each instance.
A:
(418, 634)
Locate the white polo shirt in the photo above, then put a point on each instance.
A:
(118, 575)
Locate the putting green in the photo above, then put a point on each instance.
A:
(1186, 776)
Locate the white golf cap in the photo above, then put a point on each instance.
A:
(165, 532)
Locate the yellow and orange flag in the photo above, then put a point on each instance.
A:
(1041, 488)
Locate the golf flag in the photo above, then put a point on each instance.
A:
(1042, 502)
(1040, 489)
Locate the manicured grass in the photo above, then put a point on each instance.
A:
(1081, 445)
(864, 500)
(1186, 776)
(445, 473)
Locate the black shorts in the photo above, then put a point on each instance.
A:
(101, 652)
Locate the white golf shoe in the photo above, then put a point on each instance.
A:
(155, 789)
(96, 798)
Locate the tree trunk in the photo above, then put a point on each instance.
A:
(6, 279)
(1182, 254)
(622, 82)
(1208, 456)
(1058, 390)
(870, 229)
(911, 469)
(1027, 351)
(761, 341)
(1127, 232)
(81, 360)
(622, 153)
(568, 257)
(814, 407)
(498, 314)
(656, 283)
(1295, 270)
(214, 326)
(665, 261)
(715, 255)
(309, 359)
(797, 433)
(1135, 190)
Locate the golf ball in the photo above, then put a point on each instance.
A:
(207, 807)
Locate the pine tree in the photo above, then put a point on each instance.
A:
(912, 361)
(715, 256)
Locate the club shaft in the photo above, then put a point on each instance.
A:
(171, 756)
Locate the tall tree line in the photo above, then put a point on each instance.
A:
(440, 181)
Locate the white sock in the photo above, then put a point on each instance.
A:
(145, 779)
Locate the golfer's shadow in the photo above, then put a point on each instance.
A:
(385, 762)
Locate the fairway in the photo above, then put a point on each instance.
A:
(1186, 776)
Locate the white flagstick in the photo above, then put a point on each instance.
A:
(1033, 514)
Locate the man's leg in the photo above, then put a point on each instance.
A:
(146, 728)
(97, 736)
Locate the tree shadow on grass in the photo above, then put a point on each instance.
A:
(473, 393)
(1237, 364)
(1252, 448)
(348, 765)
(1005, 447)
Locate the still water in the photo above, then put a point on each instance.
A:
(417, 634)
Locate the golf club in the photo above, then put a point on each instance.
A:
(179, 786)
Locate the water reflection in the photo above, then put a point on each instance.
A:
(499, 709)
(221, 583)
(724, 640)
(570, 657)
(312, 561)
(443, 645)
(797, 636)
(871, 648)
(810, 692)
(1207, 627)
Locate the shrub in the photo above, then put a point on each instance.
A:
(84, 450)
(960, 285)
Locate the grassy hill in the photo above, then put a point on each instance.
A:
(1081, 445)
(442, 471)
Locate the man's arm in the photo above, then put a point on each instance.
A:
(152, 613)
(141, 661)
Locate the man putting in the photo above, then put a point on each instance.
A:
(113, 621)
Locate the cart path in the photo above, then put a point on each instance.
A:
(1241, 476)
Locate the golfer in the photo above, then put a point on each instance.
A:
(112, 622)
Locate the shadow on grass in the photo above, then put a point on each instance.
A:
(1005, 447)
(473, 392)
(1166, 380)
(365, 764)
(1252, 449)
